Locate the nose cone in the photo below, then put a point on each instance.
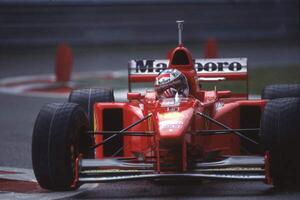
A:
(174, 124)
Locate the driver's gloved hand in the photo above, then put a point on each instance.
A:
(169, 93)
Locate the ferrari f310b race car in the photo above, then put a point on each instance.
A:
(208, 134)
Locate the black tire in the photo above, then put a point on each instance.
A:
(59, 136)
(86, 98)
(281, 91)
(280, 133)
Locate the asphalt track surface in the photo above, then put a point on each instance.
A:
(17, 116)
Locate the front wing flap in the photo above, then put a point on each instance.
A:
(123, 169)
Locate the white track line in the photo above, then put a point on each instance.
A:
(75, 76)
(22, 90)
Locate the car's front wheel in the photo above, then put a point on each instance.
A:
(280, 132)
(59, 136)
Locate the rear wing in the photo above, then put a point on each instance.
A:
(215, 69)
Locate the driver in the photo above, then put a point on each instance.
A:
(169, 82)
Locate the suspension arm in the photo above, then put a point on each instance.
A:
(128, 133)
(224, 131)
(122, 131)
(226, 127)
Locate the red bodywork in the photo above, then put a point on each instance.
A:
(174, 122)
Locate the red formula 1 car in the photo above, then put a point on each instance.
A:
(208, 134)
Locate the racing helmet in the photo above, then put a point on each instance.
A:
(169, 82)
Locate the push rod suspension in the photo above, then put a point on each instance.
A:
(226, 127)
(122, 131)
(129, 133)
(225, 131)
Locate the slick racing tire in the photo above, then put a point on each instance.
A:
(280, 136)
(86, 98)
(281, 91)
(59, 136)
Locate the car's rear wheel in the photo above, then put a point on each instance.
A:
(86, 98)
(280, 132)
(59, 136)
(281, 91)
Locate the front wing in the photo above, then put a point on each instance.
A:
(120, 169)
